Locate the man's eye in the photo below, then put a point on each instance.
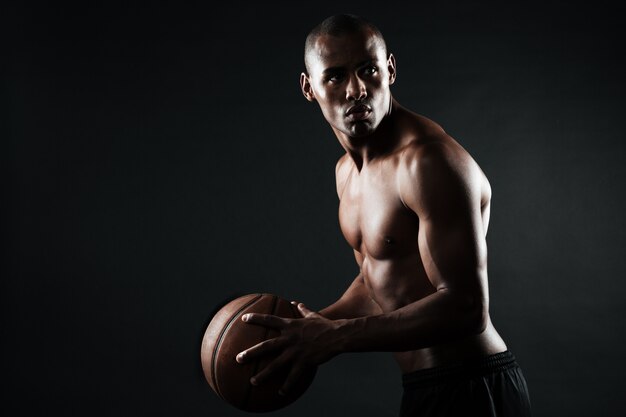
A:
(371, 70)
(334, 78)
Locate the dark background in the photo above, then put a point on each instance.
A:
(158, 160)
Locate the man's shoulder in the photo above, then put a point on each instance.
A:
(343, 167)
(423, 138)
(433, 149)
(435, 160)
(342, 170)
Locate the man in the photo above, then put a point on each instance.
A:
(414, 206)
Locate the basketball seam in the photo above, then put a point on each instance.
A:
(221, 338)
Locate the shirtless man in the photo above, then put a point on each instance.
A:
(414, 206)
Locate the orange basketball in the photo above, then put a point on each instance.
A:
(227, 335)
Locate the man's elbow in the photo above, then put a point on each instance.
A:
(477, 314)
(471, 310)
(474, 312)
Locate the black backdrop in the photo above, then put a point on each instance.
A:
(160, 159)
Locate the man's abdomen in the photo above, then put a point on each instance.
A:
(394, 283)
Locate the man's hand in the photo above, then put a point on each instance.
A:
(303, 343)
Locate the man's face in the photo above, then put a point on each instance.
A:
(349, 77)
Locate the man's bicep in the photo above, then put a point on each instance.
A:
(453, 252)
(444, 192)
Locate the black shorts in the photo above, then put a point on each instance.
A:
(493, 386)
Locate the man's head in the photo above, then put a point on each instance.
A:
(339, 25)
(348, 72)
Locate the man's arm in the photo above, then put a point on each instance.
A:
(441, 185)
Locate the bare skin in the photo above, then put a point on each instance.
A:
(415, 208)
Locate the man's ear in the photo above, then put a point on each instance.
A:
(391, 67)
(305, 85)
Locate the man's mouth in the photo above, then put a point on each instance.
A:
(358, 112)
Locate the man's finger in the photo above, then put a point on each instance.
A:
(296, 304)
(294, 375)
(266, 320)
(305, 311)
(275, 365)
(263, 348)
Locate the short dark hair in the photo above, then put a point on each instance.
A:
(337, 25)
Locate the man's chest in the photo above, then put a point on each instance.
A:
(374, 219)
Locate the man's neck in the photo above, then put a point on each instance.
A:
(382, 141)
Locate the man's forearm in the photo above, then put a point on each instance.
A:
(355, 302)
(439, 318)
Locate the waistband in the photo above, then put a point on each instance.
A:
(470, 369)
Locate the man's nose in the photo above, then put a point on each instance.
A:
(355, 90)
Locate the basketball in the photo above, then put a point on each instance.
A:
(227, 335)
